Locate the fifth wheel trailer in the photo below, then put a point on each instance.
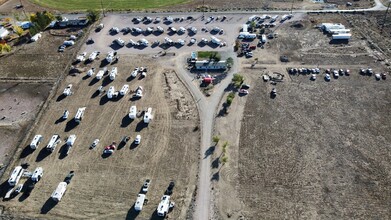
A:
(59, 192)
(138, 205)
(35, 142)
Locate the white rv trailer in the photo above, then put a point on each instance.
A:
(79, 114)
(138, 205)
(113, 73)
(168, 40)
(111, 92)
(93, 55)
(53, 142)
(342, 36)
(100, 74)
(133, 112)
(81, 57)
(67, 90)
(120, 42)
(329, 26)
(144, 42)
(37, 175)
(71, 140)
(35, 142)
(148, 115)
(124, 90)
(35, 37)
(110, 56)
(59, 192)
(91, 72)
(339, 31)
(15, 176)
(163, 206)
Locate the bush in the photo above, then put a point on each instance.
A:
(18, 30)
(238, 80)
(216, 139)
(93, 15)
(230, 98)
(5, 48)
(40, 21)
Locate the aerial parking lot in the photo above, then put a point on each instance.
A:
(128, 132)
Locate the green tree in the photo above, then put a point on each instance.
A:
(253, 24)
(93, 15)
(58, 17)
(216, 139)
(230, 98)
(224, 160)
(238, 80)
(6, 48)
(230, 62)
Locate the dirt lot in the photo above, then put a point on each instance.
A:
(17, 114)
(107, 187)
(319, 149)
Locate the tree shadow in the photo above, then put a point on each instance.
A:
(93, 81)
(132, 213)
(215, 163)
(60, 97)
(71, 125)
(49, 205)
(26, 151)
(140, 126)
(209, 151)
(216, 176)
(42, 154)
(126, 121)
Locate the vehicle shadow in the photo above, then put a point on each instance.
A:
(61, 119)
(95, 94)
(106, 81)
(93, 81)
(49, 205)
(60, 97)
(130, 78)
(209, 151)
(42, 154)
(26, 151)
(103, 100)
(133, 146)
(132, 213)
(126, 121)
(63, 151)
(4, 187)
(85, 77)
(104, 156)
(140, 126)
(216, 176)
(28, 186)
(155, 216)
(71, 125)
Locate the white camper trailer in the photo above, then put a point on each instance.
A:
(124, 90)
(71, 140)
(163, 206)
(59, 192)
(138, 205)
(100, 74)
(91, 72)
(110, 56)
(148, 116)
(36, 37)
(215, 40)
(93, 55)
(113, 73)
(111, 93)
(53, 142)
(168, 40)
(67, 90)
(79, 114)
(37, 175)
(134, 72)
(36, 141)
(81, 57)
(132, 112)
(15, 176)
(139, 92)
(120, 42)
(144, 42)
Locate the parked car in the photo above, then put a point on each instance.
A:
(170, 188)
(94, 144)
(327, 77)
(61, 48)
(146, 185)
(243, 91)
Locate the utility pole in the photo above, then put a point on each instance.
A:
(103, 10)
(203, 8)
(385, 17)
(293, 1)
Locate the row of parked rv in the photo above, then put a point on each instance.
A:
(335, 72)
(159, 30)
(338, 31)
(263, 18)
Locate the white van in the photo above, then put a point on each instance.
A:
(53, 142)
(138, 206)
(37, 175)
(111, 92)
(59, 192)
(35, 142)
(15, 176)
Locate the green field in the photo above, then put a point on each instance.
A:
(107, 4)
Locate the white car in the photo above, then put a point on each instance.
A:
(313, 77)
(65, 115)
(137, 140)
(335, 73)
(94, 144)
(120, 42)
(327, 77)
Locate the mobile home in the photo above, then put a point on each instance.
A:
(138, 206)
(15, 176)
(163, 206)
(59, 192)
(35, 142)
(53, 142)
(79, 114)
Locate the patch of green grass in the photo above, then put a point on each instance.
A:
(209, 55)
(108, 5)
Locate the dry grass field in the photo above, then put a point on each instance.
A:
(106, 187)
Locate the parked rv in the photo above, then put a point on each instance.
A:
(134, 72)
(37, 174)
(138, 205)
(67, 90)
(100, 74)
(59, 192)
(111, 93)
(124, 90)
(133, 112)
(94, 144)
(146, 185)
(71, 140)
(137, 140)
(93, 55)
(15, 176)
(36, 141)
(65, 115)
(81, 57)
(113, 73)
(148, 116)
(54, 140)
(120, 42)
(163, 206)
(79, 114)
